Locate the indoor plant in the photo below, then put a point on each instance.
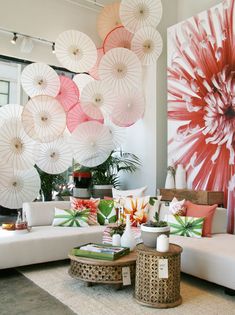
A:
(152, 229)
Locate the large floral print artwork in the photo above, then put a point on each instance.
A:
(201, 98)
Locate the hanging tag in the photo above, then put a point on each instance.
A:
(126, 276)
(163, 268)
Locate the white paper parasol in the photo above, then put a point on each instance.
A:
(108, 19)
(128, 109)
(75, 51)
(10, 112)
(17, 149)
(94, 70)
(81, 80)
(147, 45)
(92, 143)
(40, 79)
(136, 14)
(118, 37)
(118, 133)
(121, 69)
(43, 118)
(54, 157)
(68, 94)
(17, 187)
(97, 99)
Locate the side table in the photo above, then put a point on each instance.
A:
(151, 289)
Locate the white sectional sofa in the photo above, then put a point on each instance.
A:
(45, 242)
(212, 259)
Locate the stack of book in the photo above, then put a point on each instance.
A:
(100, 251)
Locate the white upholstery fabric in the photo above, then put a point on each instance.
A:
(139, 192)
(209, 258)
(42, 213)
(44, 243)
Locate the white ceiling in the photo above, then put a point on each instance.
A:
(95, 5)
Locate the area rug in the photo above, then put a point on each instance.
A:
(199, 297)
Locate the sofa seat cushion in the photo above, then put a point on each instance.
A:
(212, 259)
(44, 243)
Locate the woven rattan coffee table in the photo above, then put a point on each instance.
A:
(102, 271)
(150, 288)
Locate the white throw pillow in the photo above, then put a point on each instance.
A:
(177, 207)
(139, 192)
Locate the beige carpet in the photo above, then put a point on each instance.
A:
(199, 297)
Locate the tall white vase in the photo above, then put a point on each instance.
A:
(128, 239)
(170, 180)
(180, 177)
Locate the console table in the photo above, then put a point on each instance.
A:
(202, 197)
(152, 288)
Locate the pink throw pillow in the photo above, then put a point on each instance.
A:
(82, 204)
(199, 211)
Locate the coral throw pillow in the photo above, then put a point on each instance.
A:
(89, 204)
(207, 212)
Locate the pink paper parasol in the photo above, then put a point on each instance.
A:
(68, 94)
(108, 19)
(128, 109)
(54, 157)
(97, 99)
(92, 143)
(118, 37)
(136, 14)
(43, 118)
(17, 186)
(121, 69)
(147, 44)
(40, 79)
(94, 70)
(76, 116)
(75, 51)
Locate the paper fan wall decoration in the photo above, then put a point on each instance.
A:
(81, 80)
(68, 94)
(121, 69)
(54, 157)
(108, 19)
(76, 116)
(136, 14)
(10, 112)
(97, 99)
(40, 79)
(94, 70)
(43, 118)
(92, 143)
(75, 51)
(119, 37)
(118, 133)
(128, 109)
(17, 150)
(17, 187)
(147, 45)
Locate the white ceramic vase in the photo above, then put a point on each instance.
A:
(128, 239)
(180, 177)
(170, 180)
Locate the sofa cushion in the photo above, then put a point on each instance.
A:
(128, 193)
(177, 207)
(71, 217)
(42, 213)
(207, 212)
(185, 226)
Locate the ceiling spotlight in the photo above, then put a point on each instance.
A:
(13, 41)
(53, 48)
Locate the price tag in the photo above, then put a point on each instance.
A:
(126, 276)
(163, 268)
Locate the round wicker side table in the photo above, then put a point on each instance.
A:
(150, 290)
(94, 270)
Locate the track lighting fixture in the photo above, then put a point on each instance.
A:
(13, 41)
(53, 48)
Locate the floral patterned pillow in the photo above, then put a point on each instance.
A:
(137, 207)
(177, 207)
(89, 204)
(71, 217)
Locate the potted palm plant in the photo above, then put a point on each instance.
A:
(106, 175)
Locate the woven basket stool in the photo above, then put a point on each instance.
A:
(150, 290)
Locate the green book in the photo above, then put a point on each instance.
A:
(100, 251)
